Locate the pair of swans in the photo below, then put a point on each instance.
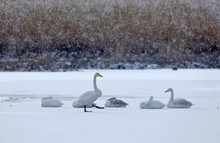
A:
(173, 103)
(86, 100)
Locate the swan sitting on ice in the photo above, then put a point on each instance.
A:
(177, 103)
(88, 98)
(152, 104)
(50, 102)
(113, 102)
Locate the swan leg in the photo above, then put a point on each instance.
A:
(98, 107)
(85, 109)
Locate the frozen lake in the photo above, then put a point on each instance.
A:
(23, 120)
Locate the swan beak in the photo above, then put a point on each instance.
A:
(166, 91)
(100, 75)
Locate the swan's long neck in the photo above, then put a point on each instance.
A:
(151, 98)
(172, 96)
(95, 85)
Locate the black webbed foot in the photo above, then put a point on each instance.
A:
(85, 109)
(98, 106)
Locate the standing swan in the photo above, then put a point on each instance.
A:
(89, 97)
(177, 103)
(152, 104)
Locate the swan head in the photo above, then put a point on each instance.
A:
(151, 97)
(98, 75)
(169, 90)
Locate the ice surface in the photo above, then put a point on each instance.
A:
(23, 120)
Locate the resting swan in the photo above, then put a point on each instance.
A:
(50, 102)
(152, 104)
(89, 97)
(177, 103)
(113, 102)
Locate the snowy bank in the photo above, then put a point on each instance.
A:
(23, 120)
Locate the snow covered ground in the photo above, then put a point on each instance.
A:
(23, 120)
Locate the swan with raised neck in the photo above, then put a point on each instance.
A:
(178, 102)
(151, 98)
(88, 98)
(95, 85)
(172, 94)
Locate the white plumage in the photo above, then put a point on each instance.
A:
(178, 102)
(50, 102)
(87, 99)
(115, 103)
(79, 105)
(152, 104)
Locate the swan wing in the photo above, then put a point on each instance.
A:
(156, 105)
(46, 98)
(118, 102)
(51, 103)
(113, 102)
(87, 98)
(182, 102)
(152, 105)
(143, 105)
(77, 105)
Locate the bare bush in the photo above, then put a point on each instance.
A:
(119, 24)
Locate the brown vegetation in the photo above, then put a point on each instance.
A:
(171, 27)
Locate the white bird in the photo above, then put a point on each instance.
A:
(152, 104)
(178, 102)
(76, 105)
(88, 98)
(113, 102)
(50, 102)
